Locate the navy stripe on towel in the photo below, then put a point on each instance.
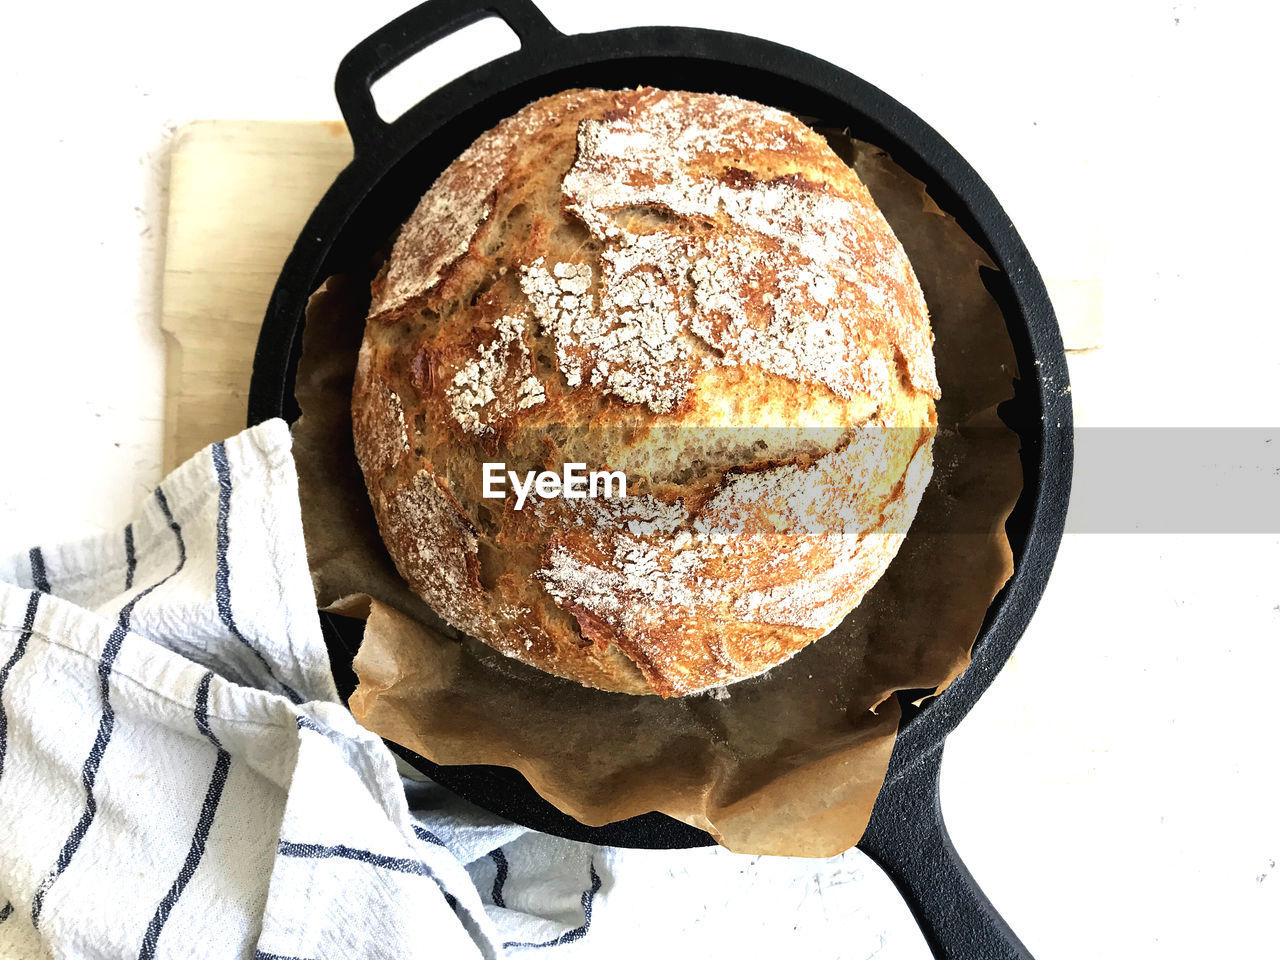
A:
(28, 624)
(89, 773)
(207, 812)
(222, 583)
(423, 833)
(577, 933)
(130, 558)
(177, 536)
(500, 876)
(38, 578)
(260, 955)
(316, 851)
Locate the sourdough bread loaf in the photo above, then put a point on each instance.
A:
(691, 289)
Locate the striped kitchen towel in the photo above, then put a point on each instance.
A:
(179, 779)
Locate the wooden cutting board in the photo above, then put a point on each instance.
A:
(240, 192)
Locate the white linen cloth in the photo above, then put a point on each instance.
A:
(179, 779)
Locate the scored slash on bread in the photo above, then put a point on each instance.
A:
(693, 289)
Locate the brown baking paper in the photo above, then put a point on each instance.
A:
(786, 763)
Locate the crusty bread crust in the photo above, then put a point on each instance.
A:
(691, 288)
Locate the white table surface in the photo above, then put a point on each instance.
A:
(1116, 790)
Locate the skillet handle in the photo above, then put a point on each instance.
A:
(908, 839)
(385, 49)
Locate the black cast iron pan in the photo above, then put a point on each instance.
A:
(395, 162)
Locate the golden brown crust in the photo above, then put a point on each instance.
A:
(691, 288)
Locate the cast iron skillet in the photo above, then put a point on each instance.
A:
(395, 162)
